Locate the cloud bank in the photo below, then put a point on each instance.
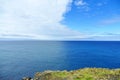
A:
(38, 19)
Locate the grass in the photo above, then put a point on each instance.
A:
(81, 74)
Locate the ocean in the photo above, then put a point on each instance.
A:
(24, 58)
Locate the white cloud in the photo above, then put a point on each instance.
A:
(80, 3)
(38, 18)
(110, 21)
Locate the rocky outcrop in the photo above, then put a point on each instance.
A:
(27, 78)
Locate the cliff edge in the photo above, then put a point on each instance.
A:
(81, 74)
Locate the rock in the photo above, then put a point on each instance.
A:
(27, 78)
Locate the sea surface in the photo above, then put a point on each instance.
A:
(25, 58)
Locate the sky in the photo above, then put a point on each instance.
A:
(60, 19)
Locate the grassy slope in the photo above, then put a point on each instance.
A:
(81, 74)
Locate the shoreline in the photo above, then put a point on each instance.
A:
(80, 74)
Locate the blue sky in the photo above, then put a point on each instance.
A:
(60, 19)
(95, 16)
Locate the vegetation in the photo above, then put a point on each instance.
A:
(81, 74)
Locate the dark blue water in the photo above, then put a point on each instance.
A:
(24, 58)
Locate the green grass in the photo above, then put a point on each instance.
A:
(81, 74)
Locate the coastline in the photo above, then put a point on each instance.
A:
(80, 74)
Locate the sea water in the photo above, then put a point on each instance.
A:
(24, 58)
